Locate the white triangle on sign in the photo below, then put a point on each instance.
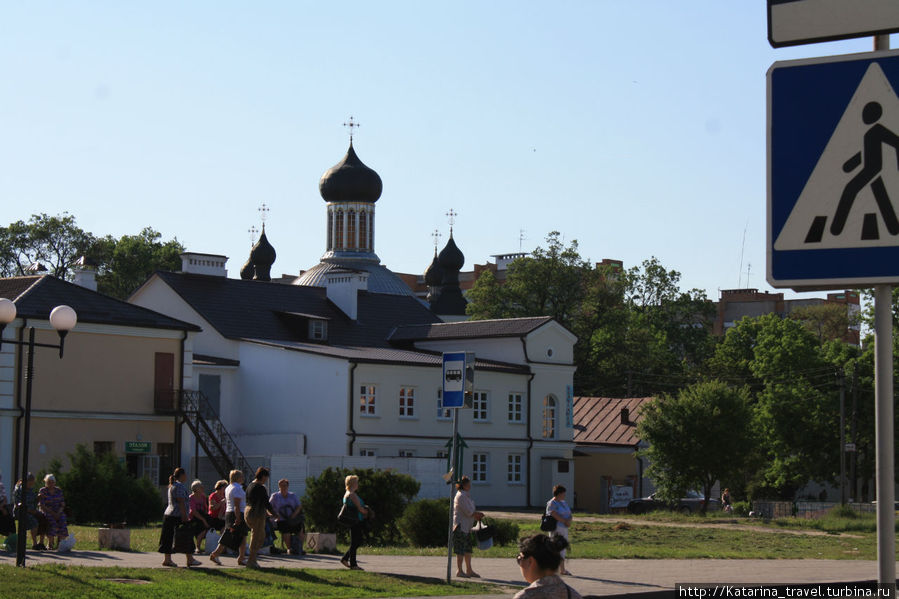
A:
(809, 226)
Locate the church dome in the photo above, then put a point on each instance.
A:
(451, 257)
(263, 254)
(434, 272)
(350, 181)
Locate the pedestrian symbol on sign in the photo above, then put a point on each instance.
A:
(868, 125)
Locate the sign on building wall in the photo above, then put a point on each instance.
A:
(620, 495)
(137, 446)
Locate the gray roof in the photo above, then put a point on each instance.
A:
(505, 327)
(380, 278)
(35, 296)
(384, 355)
(240, 309)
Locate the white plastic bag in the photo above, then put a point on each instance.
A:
(67, 544)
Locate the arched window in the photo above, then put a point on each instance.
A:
(330, 230)
(363, 231)
(371, 230)
(549, 417)
(338, 243)
(351, 242)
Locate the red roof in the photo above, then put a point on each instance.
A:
(597, 420)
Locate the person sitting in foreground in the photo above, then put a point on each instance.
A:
(539, 558)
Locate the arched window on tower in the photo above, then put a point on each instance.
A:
(330, 230)
(351, 230)
(549, 417)
(363, 231)
(338, 242)
(371, 230)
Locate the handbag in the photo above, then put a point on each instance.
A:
(348, 515)
(548, 523)
(484, 534)
(184, 539)
(231, 539)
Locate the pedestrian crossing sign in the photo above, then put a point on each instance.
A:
(833, 171)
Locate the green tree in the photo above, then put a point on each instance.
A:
(826, 321)
(701, 435)
(125, 264)
(54, 241)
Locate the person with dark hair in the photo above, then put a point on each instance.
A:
(235, 497)
(288, 516)
(176, 512)
(24, 497)
(464, 516)
(539, 558)
(217, 506)
(256, 513)
(351, 484)
(559, 510)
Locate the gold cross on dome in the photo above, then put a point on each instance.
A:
(451, 217)
(263, 211)
(436, 235)
(252, 231)
(351, 125)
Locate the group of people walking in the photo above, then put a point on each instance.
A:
(232, 510)
(45, 511)
(239, 513)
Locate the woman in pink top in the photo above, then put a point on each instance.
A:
(199, 508)
(217, 505)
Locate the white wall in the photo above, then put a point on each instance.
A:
(504, 349)
(284, 391)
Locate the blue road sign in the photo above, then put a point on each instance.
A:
(454, 379)
(833, 171)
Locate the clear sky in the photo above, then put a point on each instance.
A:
(636, 128)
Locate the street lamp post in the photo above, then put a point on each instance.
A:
(63, 319)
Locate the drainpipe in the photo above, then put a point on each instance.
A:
(639, 473)
(352, 431)
(530, 442)
(178, 422)
(20, 350)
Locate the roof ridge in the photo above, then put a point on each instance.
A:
(37, 279)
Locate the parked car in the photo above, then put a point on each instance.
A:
(690, 504)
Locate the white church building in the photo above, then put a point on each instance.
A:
(342, 366)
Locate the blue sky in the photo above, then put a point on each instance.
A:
(637, 128)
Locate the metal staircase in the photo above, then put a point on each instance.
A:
(214, 438)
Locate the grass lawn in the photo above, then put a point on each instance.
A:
(613, 540)
(124, 583)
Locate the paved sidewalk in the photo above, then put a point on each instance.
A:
(592, 576)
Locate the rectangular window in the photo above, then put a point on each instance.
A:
(166, 453)
(318, 330)
(513, 474)
(479, 467)
(442, 453)
(367, 453)
(515, 403)
(407, 402)
(442, 413)
(368, 400)
(479, 406)
(407, 453)
(104, 447)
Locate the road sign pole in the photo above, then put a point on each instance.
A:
(883, 416)
(455, 475)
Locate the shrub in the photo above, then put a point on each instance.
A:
(425, 523)
(844, 511)
(386, 492)
(505, 532)
(99, 489)
(741, 508)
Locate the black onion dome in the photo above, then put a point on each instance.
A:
(248, 270)
(263, 254)
(451, 257)
(350, 181)
(434, 272)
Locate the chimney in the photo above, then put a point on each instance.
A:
(85, 271)
(343, 288)
(204, 264)
(626, 416)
